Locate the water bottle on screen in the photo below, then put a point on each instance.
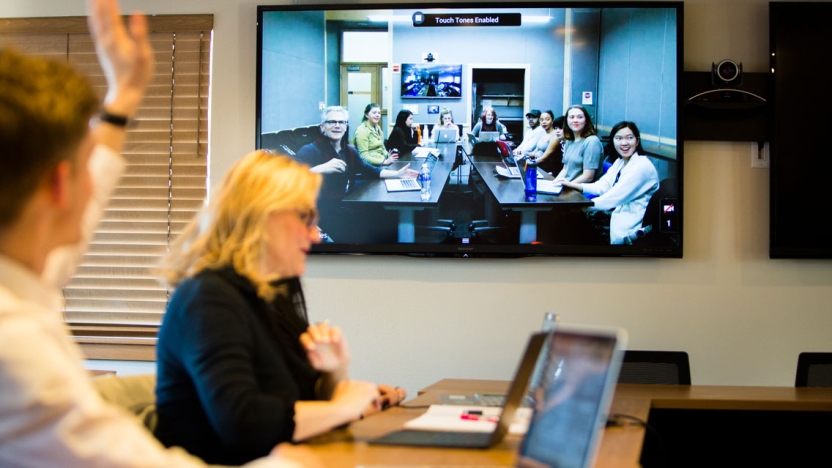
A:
(531, 179)
(424, 181)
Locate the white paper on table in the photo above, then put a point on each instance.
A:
(549, 186)
(448, 418)
(422, 152)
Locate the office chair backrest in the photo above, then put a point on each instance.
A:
(814, 370)
(655, 367)
(503, 147)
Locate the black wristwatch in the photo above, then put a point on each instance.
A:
(113, 119)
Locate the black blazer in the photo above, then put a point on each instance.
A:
(230, 368)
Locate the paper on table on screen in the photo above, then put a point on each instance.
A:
(549, 186)
(424, 152)
(448, 418)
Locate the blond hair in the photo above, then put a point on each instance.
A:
(231, 229)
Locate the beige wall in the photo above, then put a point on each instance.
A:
(742, 317)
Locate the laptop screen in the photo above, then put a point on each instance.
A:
(572, 401)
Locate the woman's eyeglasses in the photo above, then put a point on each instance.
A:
(309, 217)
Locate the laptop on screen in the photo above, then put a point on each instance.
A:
(404, 185)
(481, 440)
(573, 400)
(446, 135)
(489, 136)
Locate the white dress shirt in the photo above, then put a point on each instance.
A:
(50, 414)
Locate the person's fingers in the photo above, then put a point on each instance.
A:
(307, 341)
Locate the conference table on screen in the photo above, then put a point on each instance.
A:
(621, 446)
(406, 203)
(510, 195)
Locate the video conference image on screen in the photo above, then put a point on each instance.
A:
(481, 130)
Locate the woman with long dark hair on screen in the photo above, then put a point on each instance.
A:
(583, 151)
(369, 139)
(489, 123)
(627, 186)
(405, 135)
(239, 367)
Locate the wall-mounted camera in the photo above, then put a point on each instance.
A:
(726, 74)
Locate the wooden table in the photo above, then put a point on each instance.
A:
(621, 446)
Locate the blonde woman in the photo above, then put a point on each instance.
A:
(446, 122)
(239, 368)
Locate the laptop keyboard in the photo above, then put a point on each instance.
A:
(436, 439)
(410, 184)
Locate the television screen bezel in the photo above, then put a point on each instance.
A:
(502, 250)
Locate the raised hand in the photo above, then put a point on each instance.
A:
(125, 56)
(326, 348)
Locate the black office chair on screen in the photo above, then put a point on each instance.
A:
(655, 367)
(814, 370)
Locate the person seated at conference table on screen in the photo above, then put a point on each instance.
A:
(446, 122)
(550, 157)
(582, 151)
(489, 123)
(627, 186)
(369, 139)
(536, 131)
(239, 368)
(339, 163)
(405, 136)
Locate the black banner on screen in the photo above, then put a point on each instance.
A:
(469, 19)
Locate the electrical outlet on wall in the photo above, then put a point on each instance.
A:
(760, 156)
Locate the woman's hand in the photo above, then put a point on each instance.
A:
(357, 398)
(392, 156)
(326, 348)
(391, 396)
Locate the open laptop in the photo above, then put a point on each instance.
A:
(550, 323)
(573, 400)
(446, 135)
(489, 136)
(404, 185)
(481, 440)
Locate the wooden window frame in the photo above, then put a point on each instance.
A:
(129, 341)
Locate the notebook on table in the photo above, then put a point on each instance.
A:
(573, 400)
(477, 439)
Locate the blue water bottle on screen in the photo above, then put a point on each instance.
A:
(424, 181)
(531, 179)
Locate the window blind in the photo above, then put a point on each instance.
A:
(114, 304)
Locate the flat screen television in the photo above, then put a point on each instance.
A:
(431, 80)
(620, 61)
(801, 101)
